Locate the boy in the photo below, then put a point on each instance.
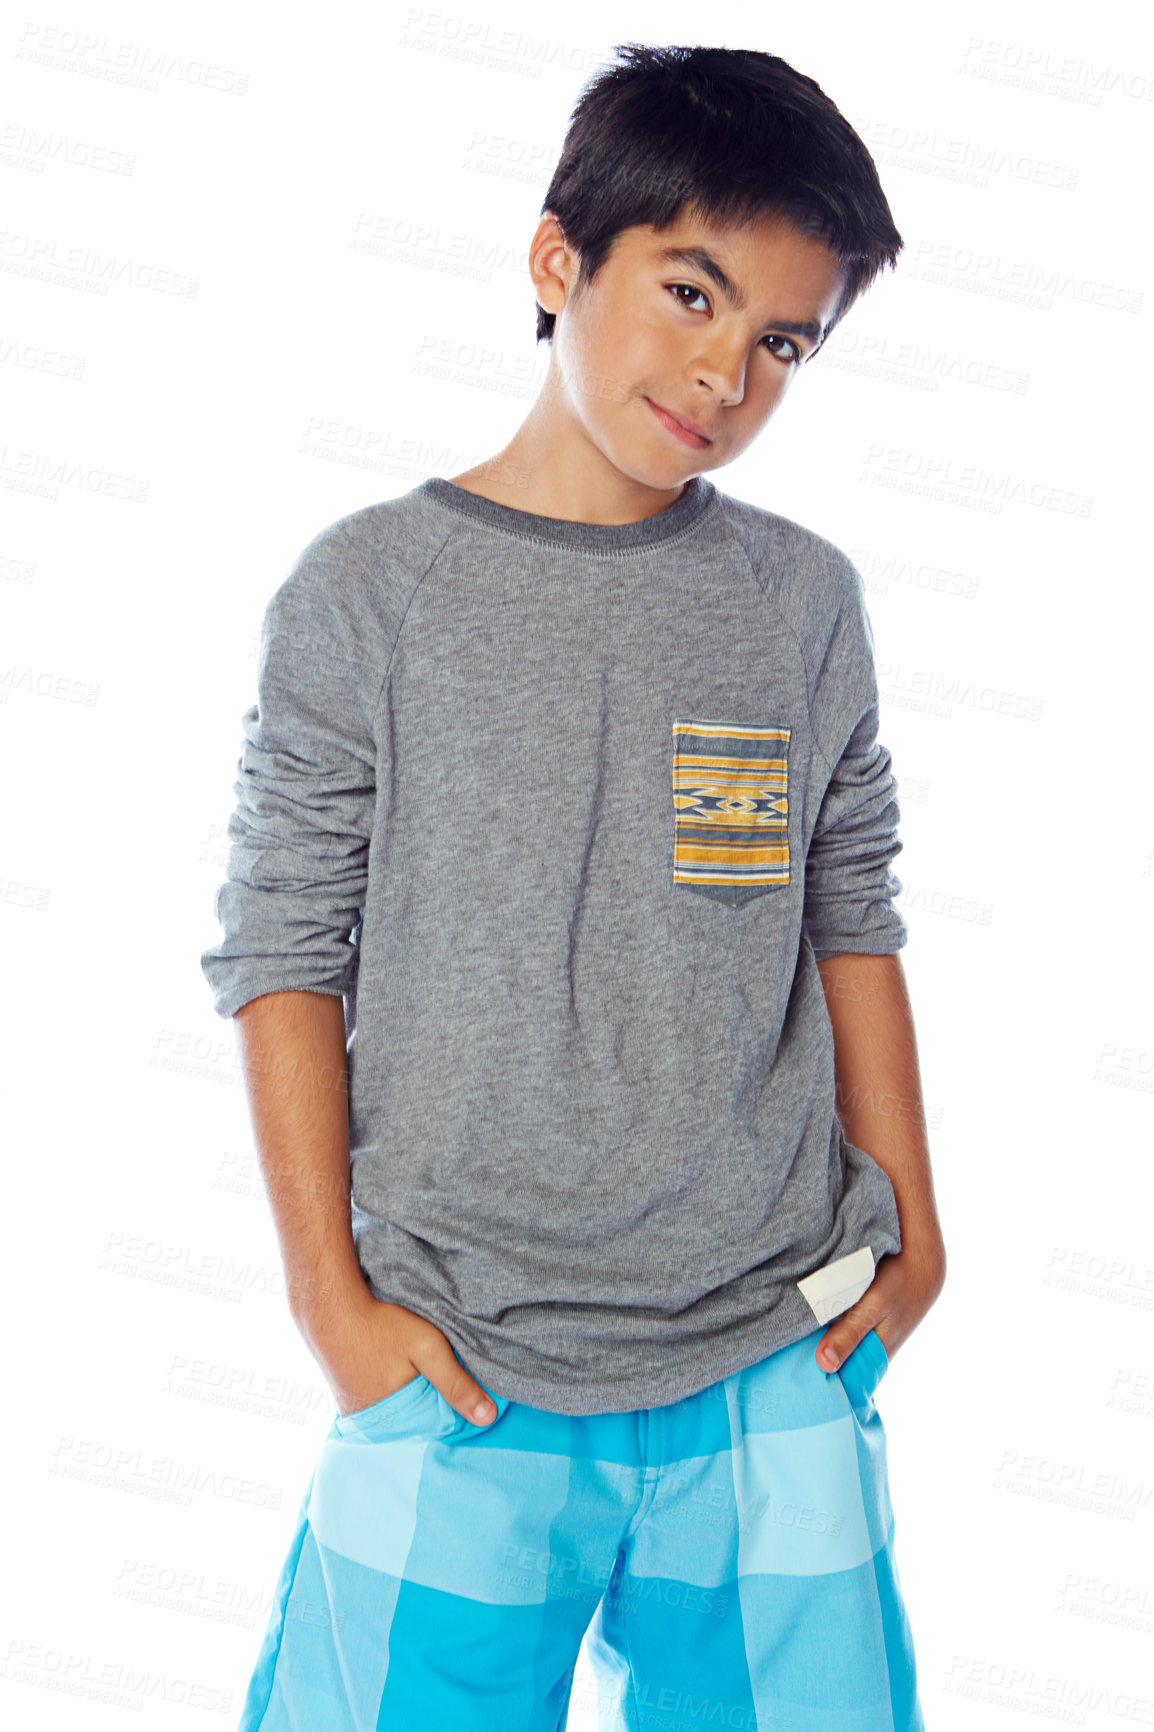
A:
(564, 834)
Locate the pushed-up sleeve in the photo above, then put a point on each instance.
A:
(300, 830)
(850, 889)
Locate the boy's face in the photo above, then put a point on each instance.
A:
(656, 340)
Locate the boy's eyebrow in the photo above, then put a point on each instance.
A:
(708, 265)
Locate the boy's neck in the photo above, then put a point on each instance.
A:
(546, 495)
(566, 478)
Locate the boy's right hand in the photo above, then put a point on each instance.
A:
(381, 1347)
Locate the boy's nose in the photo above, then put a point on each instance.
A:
(724, 373)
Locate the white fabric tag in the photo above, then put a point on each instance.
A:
(833, 1289)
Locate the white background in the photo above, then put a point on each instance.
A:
(201, 365)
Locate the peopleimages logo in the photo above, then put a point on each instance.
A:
(917, 364)
(960, 159)
(29, 148)
(1021, 281)
(118, 62)
(502, 49)
(47, 259)
(1050, 74)
(967, 483)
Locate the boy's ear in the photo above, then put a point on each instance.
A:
(552, 264)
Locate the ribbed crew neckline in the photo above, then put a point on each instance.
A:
(595, 538)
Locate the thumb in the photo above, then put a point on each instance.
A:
(462, 1392)
(843, 1335)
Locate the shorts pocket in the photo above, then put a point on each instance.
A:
(730, 809)
(864, 1369)
(382, 1415)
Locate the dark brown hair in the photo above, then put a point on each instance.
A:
(726, 134)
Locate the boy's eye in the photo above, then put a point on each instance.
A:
(795, 353)
(694, 294)
(791, 352)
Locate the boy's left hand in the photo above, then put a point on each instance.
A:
(906, 1284)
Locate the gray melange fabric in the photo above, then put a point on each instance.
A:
(591, 1103)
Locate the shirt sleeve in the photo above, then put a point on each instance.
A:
(300, 830)
(850, 889)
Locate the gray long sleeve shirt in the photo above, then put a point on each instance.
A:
(566, 812)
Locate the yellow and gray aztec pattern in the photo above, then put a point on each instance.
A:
(731, 807)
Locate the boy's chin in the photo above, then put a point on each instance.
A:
(663, 473)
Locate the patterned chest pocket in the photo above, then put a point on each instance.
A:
(730, 809)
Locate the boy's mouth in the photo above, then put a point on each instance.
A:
(687, 431)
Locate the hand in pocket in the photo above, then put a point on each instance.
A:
(382, 1347)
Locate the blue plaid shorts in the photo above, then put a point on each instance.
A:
(727, 1561)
